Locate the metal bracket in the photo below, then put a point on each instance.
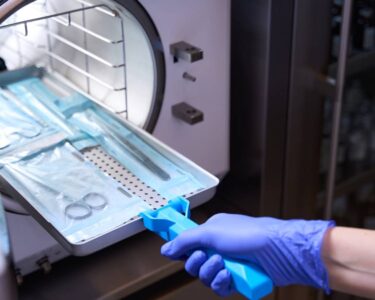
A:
(187, 113)
(186, 51)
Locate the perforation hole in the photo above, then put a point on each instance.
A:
(130, 181)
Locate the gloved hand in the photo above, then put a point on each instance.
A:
(289, 252)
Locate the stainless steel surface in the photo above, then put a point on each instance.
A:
(104, 10)
(186, 51)
(84, 51)
(68, 22)
(337, 106)
(114, 169)
(26, 22)
(75, 68)
(65, 18)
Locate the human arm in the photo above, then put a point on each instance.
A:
(349, 255)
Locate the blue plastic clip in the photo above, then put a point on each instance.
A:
(172, 219)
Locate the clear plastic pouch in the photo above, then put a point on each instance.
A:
(34, 95)
(17, 127)
(50, 109)
(32, 148)
(82, 207)
(73, 195)
(62, 106)
(139, 157)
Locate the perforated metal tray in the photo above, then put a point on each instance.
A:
(135, 185)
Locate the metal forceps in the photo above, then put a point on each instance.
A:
(26, 132)
(137, 154)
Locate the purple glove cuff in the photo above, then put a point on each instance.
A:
(306, 255)
(294, 256)
(323, 283)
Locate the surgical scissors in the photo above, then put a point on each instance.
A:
(78, 209)
(83, 208)
(24, 129)
(10, 97)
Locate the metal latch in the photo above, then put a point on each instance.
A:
(186, 51)
(187, 113)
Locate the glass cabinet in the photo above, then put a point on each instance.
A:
(347, 156)
(303, 113)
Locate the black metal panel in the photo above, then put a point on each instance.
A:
(280, 48)
(310, 57)
(250, 33)
(261, 47)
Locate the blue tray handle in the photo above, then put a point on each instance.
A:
(171, 220)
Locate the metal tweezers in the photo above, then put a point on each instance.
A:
(136, 153)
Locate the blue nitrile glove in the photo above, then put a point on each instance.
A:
(288, 251)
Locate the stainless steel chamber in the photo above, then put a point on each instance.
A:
(83, 45)
(146, 62)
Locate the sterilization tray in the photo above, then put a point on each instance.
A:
(121, 174)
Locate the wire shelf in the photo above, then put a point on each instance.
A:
(65, 19)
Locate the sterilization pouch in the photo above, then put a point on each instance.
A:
(51, 109)
(17, 127)
(132, 151)
(35, 98)
(74, 196)
(88, 174)
(32, 148)
(61, 106)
